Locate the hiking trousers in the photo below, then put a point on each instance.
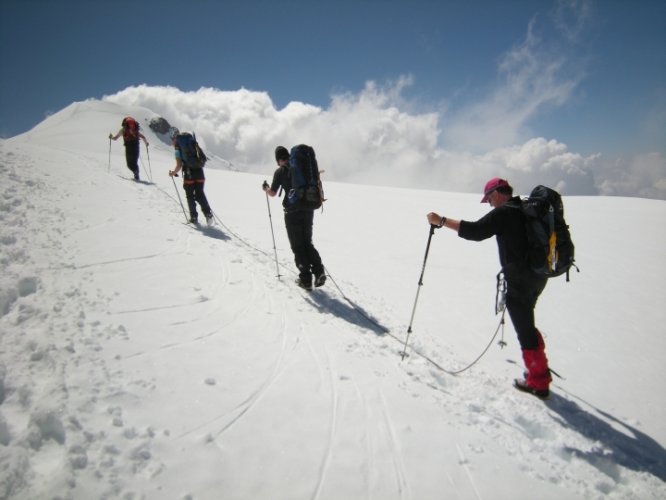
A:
(194, 192)
(299, 232)
(523, 290)
(132, 156)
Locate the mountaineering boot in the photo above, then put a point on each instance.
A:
(304, 285)
(209, 220)
(538, 375)
(541, 346)
(522, 385)
(320, 279)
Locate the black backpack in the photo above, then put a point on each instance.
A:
(550, 248)
(306, 189)
(191, 154)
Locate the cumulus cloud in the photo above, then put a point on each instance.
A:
(360, 137)
(642, 176)
(367, 138)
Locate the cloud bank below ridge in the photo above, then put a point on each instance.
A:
(368, 139)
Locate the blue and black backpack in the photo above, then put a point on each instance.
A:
(306, 189)
(191, 154)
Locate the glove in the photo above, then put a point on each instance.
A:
(110, 136)
(264, 186)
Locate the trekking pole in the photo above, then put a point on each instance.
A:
(418, 290)
(143, 167)
(150, 167)
(109, 167)
(179, 200)
(270, 219)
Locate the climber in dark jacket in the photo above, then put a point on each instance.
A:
(507, 223)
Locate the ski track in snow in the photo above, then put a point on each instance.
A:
(255, 397)
(326, 460)
(394, 446)
(86, 326)
(464, 463)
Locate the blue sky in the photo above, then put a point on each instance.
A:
(55, 53)
(608, 58)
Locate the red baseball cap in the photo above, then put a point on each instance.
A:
(492, 185)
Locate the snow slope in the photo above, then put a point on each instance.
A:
(143, 358)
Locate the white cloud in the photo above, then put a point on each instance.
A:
(531, 79)
(642, 176)
(571, 17)
(368, 138)
(539, 161)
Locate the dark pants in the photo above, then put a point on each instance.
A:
(132, 156)
(194, 192)
(299, 232)
(522, 293)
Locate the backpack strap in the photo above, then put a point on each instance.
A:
(285, 171)
(552, 239)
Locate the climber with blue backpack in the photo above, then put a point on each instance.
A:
(191, 159)
(297, 176)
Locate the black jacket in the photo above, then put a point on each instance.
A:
(282, 180)
(507, 224)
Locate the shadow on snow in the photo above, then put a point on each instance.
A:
(619, 444)
(347, 311)
(213, 232)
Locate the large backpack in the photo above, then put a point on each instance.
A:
(130, 129)
(190, 152)
(550, 249)
(306, 189)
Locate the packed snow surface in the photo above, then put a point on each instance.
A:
(143, 358)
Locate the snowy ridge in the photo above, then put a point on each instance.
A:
(142, 358)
